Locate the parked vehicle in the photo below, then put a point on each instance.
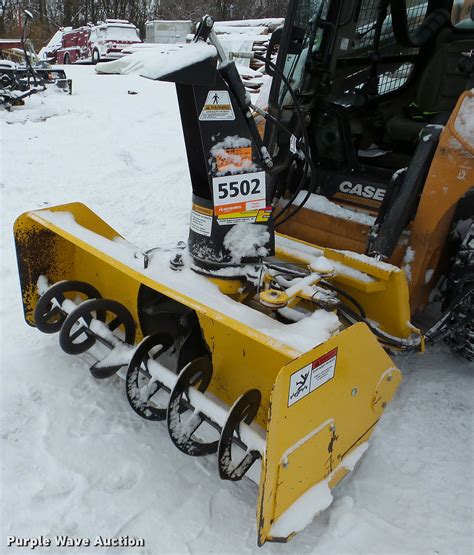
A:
(168, 32)
(50, 50)
(93, 43)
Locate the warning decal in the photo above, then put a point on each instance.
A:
(246, 217)
(234, 158)
(201, 220)
(312, 376)
(218, 107)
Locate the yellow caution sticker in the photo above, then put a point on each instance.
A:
(202, 209)
(243, 216)
(201, 220)
(218, 107)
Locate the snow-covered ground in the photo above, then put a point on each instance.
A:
(77, 461)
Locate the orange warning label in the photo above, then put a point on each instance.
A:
(202, 209)
(217, 107)
(233, 157)
(229, 208)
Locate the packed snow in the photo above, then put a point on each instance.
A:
(292, 339)
(408, 259)
(372, 261)
(155, 63)
(310, 255)
(77, 461)
(318, 203)
(244, 240)
(137, 56)
(464, 124)
(322, 265)
(316, 499)
(270, 22)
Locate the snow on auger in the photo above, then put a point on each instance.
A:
(266, 350)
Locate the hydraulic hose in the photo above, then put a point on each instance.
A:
(387, 339)
(350, 298)
(304, 148)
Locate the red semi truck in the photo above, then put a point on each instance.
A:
(94, 43)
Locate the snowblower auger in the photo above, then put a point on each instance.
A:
(314, 409)
(264, 350)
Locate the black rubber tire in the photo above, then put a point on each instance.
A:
(100, 307)
(67, 59)
(95, 56)
(198, 374)
(135, 369)
(43, 307)
(243, 410)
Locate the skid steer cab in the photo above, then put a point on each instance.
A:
(266, 351)
(381, 94)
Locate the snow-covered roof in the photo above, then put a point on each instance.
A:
(159, 59)
(263, 22)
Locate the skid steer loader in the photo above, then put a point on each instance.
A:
(384, 92)
(266, 350)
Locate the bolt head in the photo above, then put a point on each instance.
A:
(354, 392)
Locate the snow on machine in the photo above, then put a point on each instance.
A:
(264, 349)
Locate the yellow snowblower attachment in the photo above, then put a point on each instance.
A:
(262, 349)
(292, 401)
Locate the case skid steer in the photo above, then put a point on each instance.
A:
(385, 93)
(263, 348)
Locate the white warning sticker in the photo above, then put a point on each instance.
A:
(312, 376)
(218, 106)
(237, 193)
(201, 220)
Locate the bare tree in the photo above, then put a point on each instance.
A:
(52, 14)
